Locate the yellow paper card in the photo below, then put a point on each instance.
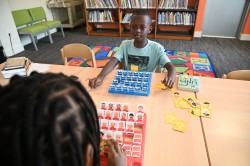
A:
(134, 68)
(195, 111)
(161, 86)
(175, 94)
(180, 125)
(170, 119)
(184, 104)
(206, 111)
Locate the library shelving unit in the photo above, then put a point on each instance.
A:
(171, 19)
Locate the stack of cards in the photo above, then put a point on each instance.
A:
(189, 83)
(178, 125)
(117, 121)
(194, 106)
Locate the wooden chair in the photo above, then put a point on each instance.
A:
(77, 50)
(238, 75)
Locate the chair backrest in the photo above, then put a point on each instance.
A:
(37, 14)
(238, 75)
(77, 50)
(21, 17)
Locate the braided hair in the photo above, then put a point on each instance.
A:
(47, 119)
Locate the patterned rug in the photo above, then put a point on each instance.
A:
(192, 63)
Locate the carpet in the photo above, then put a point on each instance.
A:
(192, 63)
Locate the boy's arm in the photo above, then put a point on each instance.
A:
(94, 82)
(169, 80)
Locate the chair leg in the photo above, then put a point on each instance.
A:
(62, 30)
(33, 41)
(50, 38)
(36, 39)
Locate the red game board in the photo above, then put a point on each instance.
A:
(127, 127)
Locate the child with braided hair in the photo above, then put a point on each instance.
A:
(51, 120)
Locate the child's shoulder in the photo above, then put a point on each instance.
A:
(153, 44)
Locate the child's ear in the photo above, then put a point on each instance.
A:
(150, 29)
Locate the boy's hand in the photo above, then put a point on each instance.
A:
(116, 155)
(95, 82)
(169, 81)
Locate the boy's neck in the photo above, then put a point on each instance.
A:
(140, 44)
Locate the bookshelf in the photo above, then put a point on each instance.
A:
(172, 19)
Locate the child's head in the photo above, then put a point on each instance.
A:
(47, 119)
(140, 25)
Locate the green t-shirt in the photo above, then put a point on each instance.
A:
(146, 58)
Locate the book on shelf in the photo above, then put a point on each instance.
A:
(91, 4)
(188, 83)
(176, 18)
(138, 4)
(173, 4)
(21, 71)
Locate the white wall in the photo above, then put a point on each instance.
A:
(25, 4)
(8, 26)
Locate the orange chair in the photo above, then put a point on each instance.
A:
(238, 75)
(77, 50)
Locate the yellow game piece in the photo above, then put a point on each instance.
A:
(195, 111)
(184, 104)
(180, 125)
(134, 68)
(170, 119)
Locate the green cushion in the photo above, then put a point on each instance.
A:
(50, 24)
(21, 17)
(37, 14)
(32, 29)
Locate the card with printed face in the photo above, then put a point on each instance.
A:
(118, 136)
(118, 106)
(140, 108)
(115, 115)
(100, 113)
(123, 116)
(103, 105)
(104, 124)
(208, 103)
(108, 114)
(139, 118)
(193, 102)
(195, 111)
(206, 111)
(129, 127)
(176, 94)
(110, 106)
(170, 119)
(120, 125)
(131, 116)
(112, 125)
(109, 135)
(125, 107)
(180, 125)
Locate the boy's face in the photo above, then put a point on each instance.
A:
(140, 27)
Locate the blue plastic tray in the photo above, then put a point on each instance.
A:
(131, 83)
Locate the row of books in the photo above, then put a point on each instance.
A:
(101, 4)
(16, 66)
(127, 18)
(101, 16)
(176, 18)
(138, 4)
(173, 4)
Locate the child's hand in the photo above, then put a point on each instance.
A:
(95, 82)
(169, 81)
(116, 155)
